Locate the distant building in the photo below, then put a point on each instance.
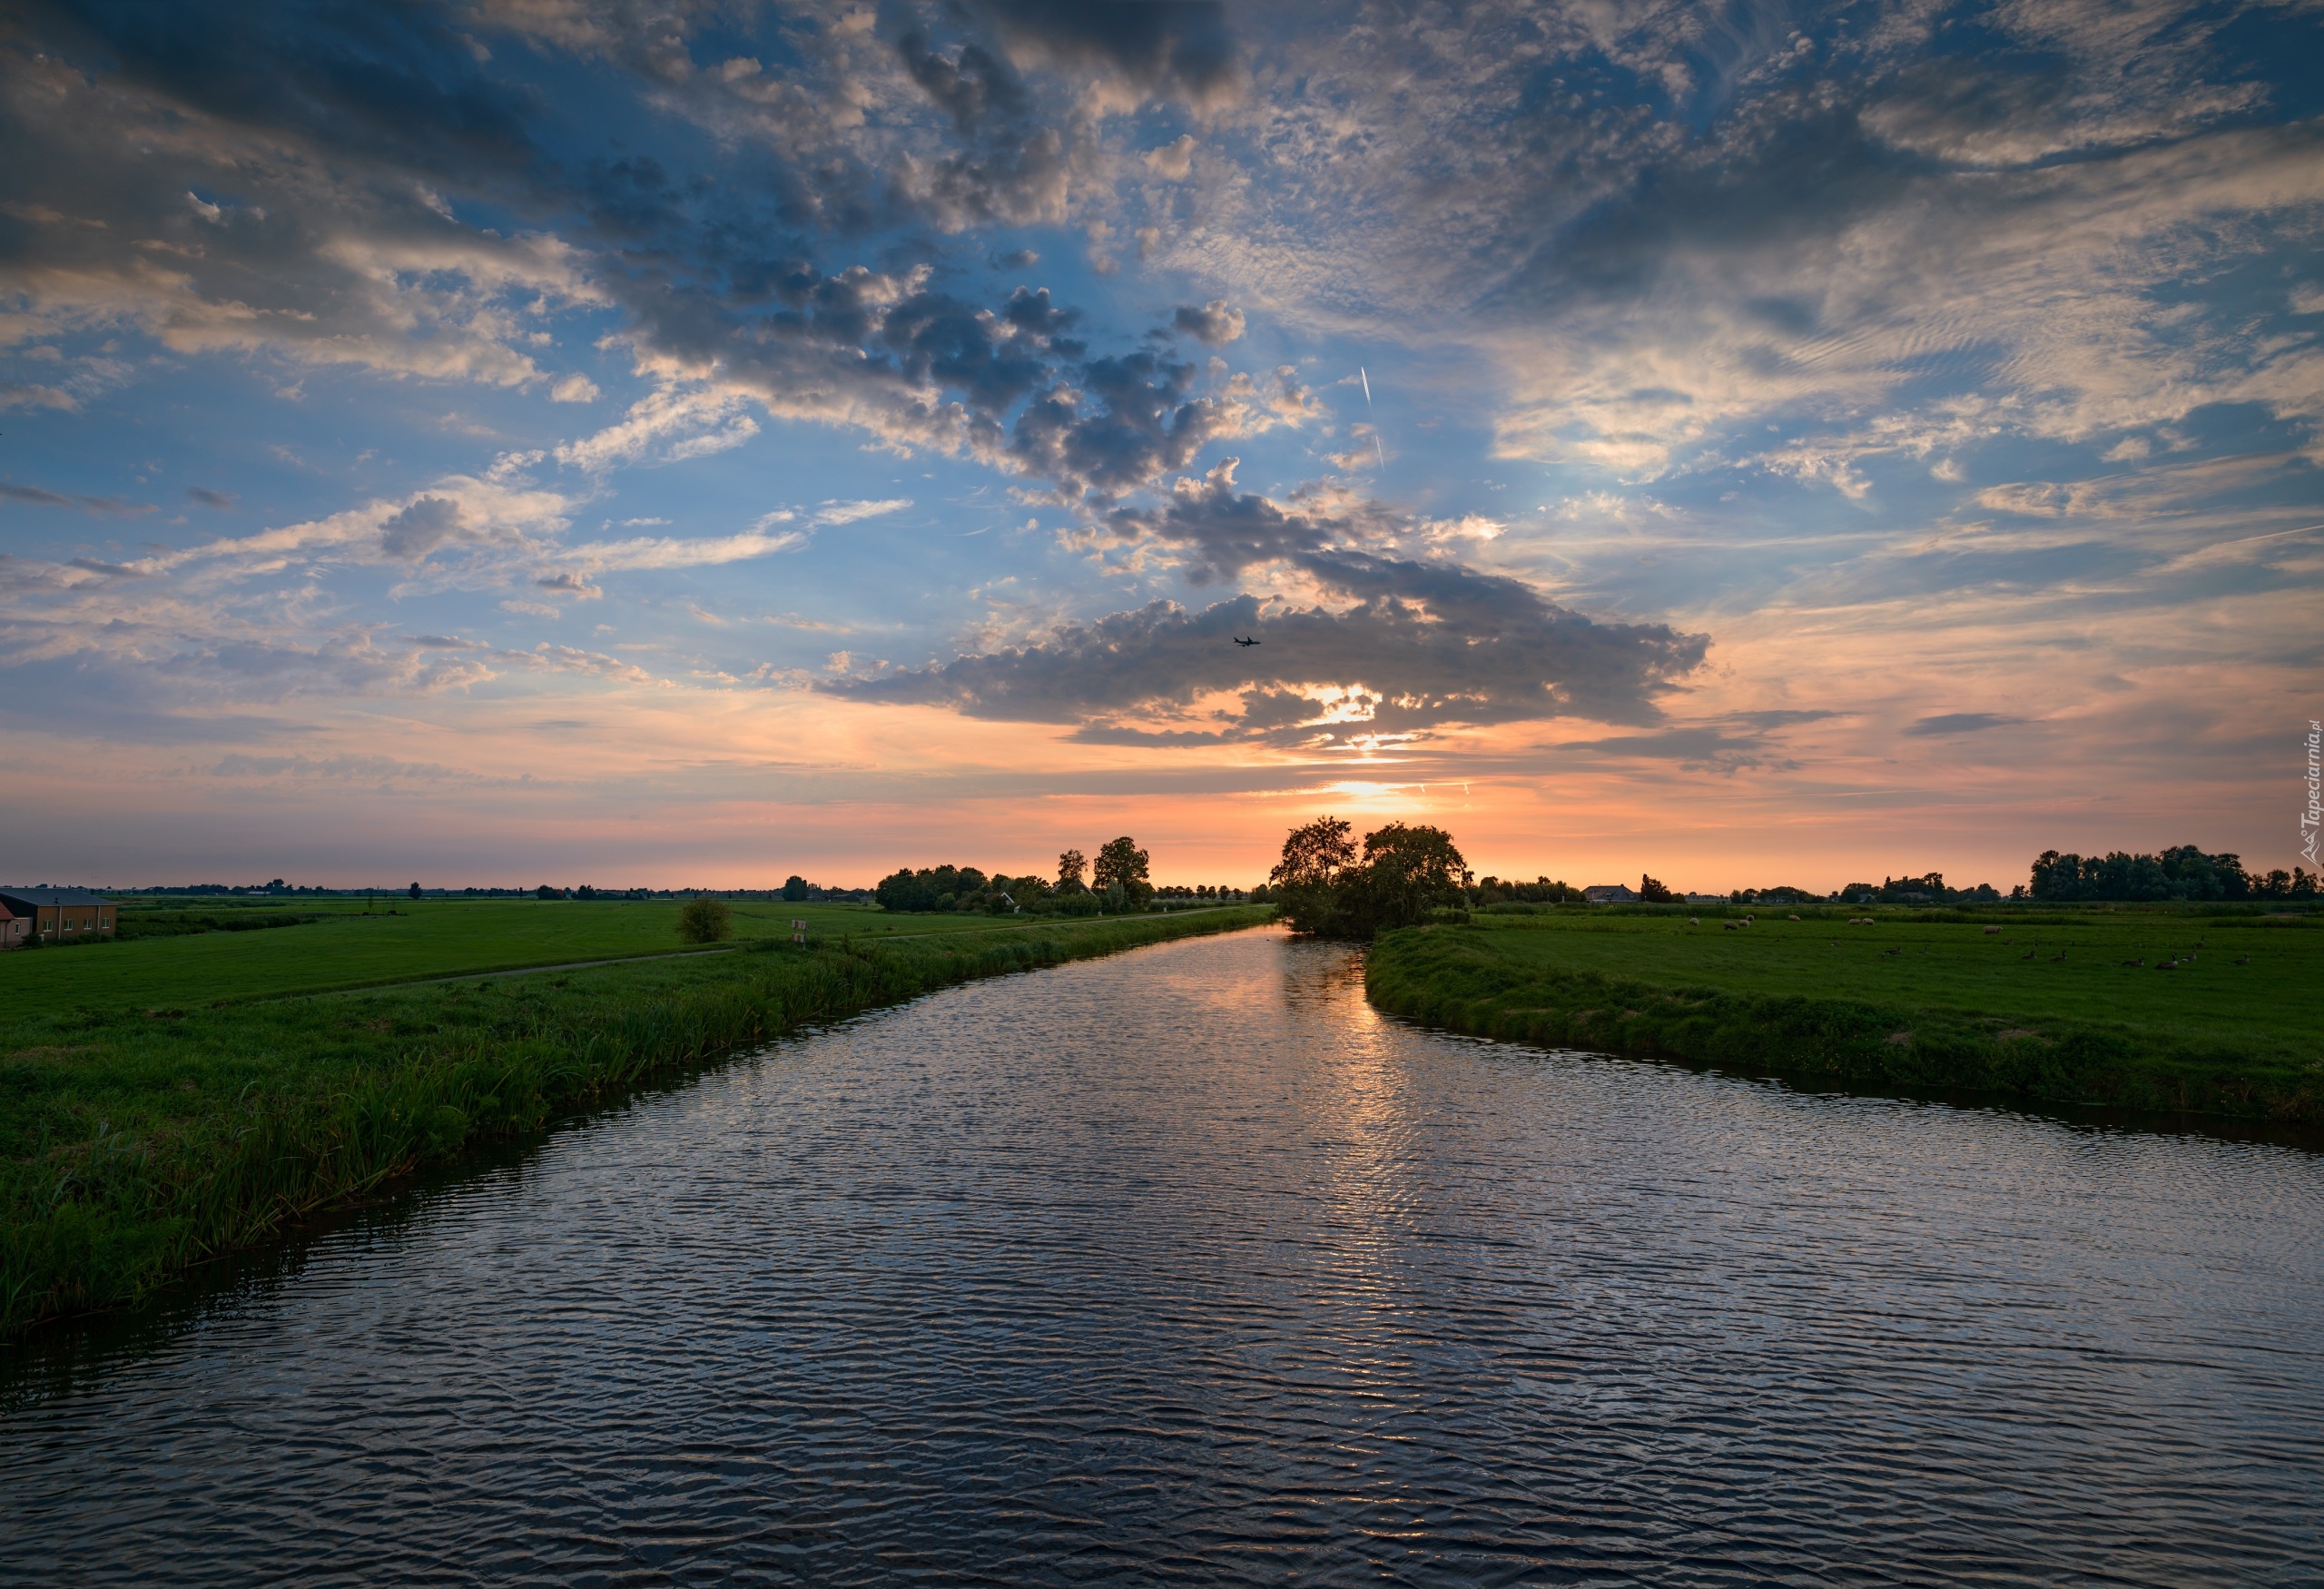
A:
(1608, 893)
(57, 915)
(13, 927)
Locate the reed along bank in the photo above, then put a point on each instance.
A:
(137, 1143)
(2164, 1011)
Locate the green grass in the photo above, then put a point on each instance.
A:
(1910, 1001)
(133, 1144)
(425, 938)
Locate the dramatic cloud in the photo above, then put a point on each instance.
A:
(1420, 648)
(1960, 366)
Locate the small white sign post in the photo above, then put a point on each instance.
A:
(798, 930)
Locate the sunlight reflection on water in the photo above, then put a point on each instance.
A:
(1188, 1264)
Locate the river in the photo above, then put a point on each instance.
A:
(1187, 1265)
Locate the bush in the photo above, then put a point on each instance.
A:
(705, 920)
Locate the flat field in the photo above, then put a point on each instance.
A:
(424, 938)
(2110, 970)
(2065, 1006)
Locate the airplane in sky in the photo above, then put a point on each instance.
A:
(1240, 641)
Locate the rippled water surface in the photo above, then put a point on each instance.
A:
(1186, 1265)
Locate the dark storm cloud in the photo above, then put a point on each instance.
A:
(1430, 647)
(1222, 532)
(294, 175)
(399, 85)
(1787, 167)
(1142, 424)
(926, 368)
(1176, 48)
(1031, 313)
(1011, 165)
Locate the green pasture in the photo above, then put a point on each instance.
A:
(422, 938)
(136, 1139)
(2276, 998)
(2063, 1007)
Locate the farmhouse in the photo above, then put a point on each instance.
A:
(1608, 893)
(53, 915)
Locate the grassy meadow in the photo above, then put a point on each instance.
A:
(2067, 1006)
(333, 944)
(143, 1131)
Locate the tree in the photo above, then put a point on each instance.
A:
(2183, 873)
(1305, 880)
(1407, 873)
(1070, 867)
(705, 920)
(1653, 891)
(415, 891)
(1121, 863)
(795, 888)
(1315, 853)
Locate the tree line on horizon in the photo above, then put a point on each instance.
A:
(1408, 873)
(1119, 879)
(1330, 884)
(2181, 873)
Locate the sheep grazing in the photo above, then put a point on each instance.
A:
(1991, 931)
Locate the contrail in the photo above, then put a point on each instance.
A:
(1364, 376)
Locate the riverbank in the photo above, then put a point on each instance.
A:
(2070, 1009)
(135, 1142)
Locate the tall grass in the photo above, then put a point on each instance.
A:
(103, 1219)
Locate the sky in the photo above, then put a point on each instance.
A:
(690, 443)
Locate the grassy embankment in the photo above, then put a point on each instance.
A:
(2047, 1009)
(139, 1136)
